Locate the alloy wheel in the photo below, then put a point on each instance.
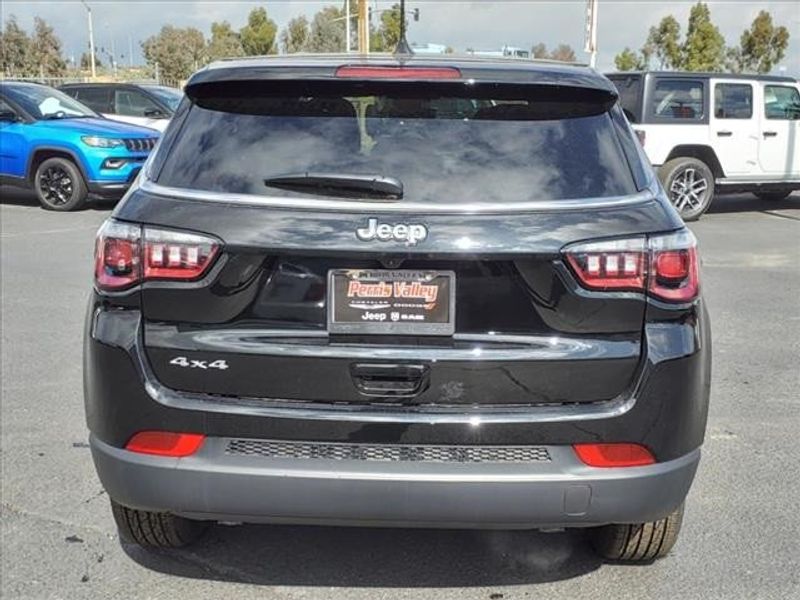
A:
(56, 185)
(688, 190)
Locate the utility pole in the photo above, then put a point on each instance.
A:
(591, 32)
(347, 25)
(91, 38)
(114, 56)
(130, 50)
(363, 26)
(402, 45)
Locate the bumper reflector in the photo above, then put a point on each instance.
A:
(165, 443)
(614, 455)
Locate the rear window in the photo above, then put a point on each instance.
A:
(509, 146)
(680, 99)
(97, 99)
(630, 91)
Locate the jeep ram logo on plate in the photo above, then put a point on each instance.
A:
(398, 232)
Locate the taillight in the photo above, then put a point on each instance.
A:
(610, 265)
(367, 72)
(614, 455)
(126, 255)
(117, 256)
(674, 272)
(663, 265)
(176, 255)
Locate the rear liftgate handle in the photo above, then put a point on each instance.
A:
(390, 380)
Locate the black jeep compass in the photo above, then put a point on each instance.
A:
(415, 292)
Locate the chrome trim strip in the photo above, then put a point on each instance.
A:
(149, 186)
(280, 343)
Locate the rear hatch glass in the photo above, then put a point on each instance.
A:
(445, 145)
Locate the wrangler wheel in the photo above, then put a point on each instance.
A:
(689, 184)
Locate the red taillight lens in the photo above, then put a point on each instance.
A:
(365, 72)
(116, 256)
(165, 443)
(610, 265)
(674, 270)
(123, 259)
(176, 255)
(667, 266)
(614, 455)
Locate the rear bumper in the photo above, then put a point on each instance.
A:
(561, 492)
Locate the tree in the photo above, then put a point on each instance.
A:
(177, 52)
(564, 53)
(46, 49)
(760, 47)
(389, 30)
(663, 41)
(295, 37)
(258, 36)
(15, 50)
(327, 31)
(628, 60)
(539, 51)
(86, 61)
(224, 42)
(704, 48)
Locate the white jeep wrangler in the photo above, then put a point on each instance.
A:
(708, 133)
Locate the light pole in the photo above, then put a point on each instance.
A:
(347, 25)
(591, 32)
(363, 26)
(91, 38)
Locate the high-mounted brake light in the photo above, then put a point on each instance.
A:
(614, 455)
(665, 266)
(366, 72)
(165, 443)
(127, 254)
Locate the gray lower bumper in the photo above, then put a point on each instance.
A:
(560, 493)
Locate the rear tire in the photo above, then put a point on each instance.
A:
(689, 184)
(638, 542)
(155, 529)
(59, 185)
(773, 196)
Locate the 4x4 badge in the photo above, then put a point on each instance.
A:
(408, 233)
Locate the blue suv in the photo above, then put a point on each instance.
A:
(63, 150)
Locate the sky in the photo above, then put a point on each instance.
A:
(483, 25)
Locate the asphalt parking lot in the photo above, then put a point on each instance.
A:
(742, 529)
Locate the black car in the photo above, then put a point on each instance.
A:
(148, 105)
(426, 292)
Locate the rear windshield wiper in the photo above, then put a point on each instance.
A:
(340, 185)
